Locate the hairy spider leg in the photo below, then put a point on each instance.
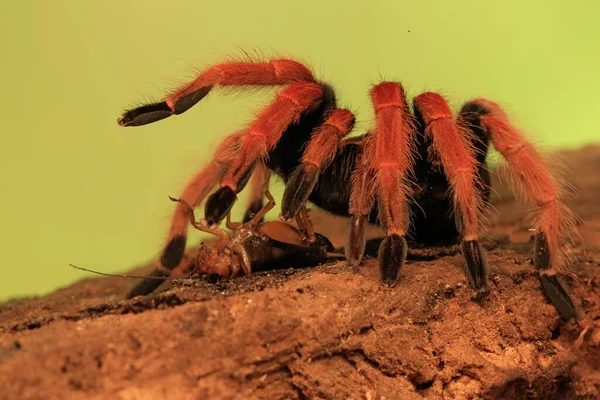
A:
(457, 155)
(554, 222)
(362, 200)
(235, 73)
(391, 149)
(322, 148)
(262, 135)
(259, 184)
(193, 195)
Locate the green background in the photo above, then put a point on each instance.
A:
(77, 188)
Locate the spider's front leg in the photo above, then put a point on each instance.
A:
(271, 73)
(385, 165)
(456, 151)
(232, 74)
(262, 136)
(322, 148)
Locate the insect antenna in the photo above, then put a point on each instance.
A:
(162, 278)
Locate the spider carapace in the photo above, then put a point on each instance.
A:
(419, 174)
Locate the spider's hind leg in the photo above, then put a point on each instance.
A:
(232, 74)
(386, 165)
(263, 135)
(555, 223)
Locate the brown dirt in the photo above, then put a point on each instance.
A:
(327, 332)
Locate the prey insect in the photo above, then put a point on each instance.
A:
(251, 246)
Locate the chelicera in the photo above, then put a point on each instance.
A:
(418, 173)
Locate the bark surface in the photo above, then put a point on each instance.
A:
(329, 332)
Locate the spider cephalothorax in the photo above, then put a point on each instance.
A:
(420, 174)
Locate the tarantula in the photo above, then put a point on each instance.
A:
(425, 165)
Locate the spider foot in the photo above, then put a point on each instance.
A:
(551, 285)
(558, 296)
(218, 205)
(297, 189)
(476, 266)
(356, 241)
(392, 254)
(145, 114)
(541, 255)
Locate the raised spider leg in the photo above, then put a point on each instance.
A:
(457, 156)
(554, 223)
(262, 136)
(271, 73)
(389, 151)
(322, 148)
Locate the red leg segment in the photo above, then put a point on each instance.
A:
(326, 139)
(362, 200)
(236, 73)
(321, 150)
(554, 222)
(263, 135)
(390, 151)
(265, 131)
(200, 185)
(392, 158)
(458, 159)
(457, 156)
(274, 72)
